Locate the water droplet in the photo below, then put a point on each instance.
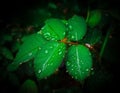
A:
(53, 39)
(92, 69)
(42, 28)
(30, 54)
(39, 71)
(66, 23)
(67, 71)
(72, 37)
(40, 32)
(51, 46)
(46, 51)
(70, 27)
(64, 33)
(20, 63)
(87, 69)
(68, 63)
(57, 70)
(72, 66)
(47, 34)
(60, 52)
(39, 48)
(48, 64)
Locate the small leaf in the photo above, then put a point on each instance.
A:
(29, 86)
(79, 62)
(48, 59)
(31, 44)
(92, 37)
(94, 18)
(54, 29)
(77, 28)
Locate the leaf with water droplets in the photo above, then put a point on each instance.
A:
(31, 44)
(48, 59)
(77, 28)
(54, 29)
(79, 62)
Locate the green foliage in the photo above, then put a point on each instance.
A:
(54, 29)
(94, 18)
(49, 45)
(31, 44)
(29, 86)
(77, 28)
(79, 62)
(93, 36)
(49, 59)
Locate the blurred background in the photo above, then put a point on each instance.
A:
(23, 17)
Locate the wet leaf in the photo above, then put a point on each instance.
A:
(54, 29)
(79, 62)
(48, 59)
(31, 44)
(77, 28)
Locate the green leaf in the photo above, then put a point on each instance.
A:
(93, 36)
(48, 59)
(79, 62)
(54, 29)
(29, 86)
(31, 44)
(94, 18)
(77, 28)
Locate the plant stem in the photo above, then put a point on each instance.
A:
(88, 14)
(105, 41)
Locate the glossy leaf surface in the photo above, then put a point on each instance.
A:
(77, 28)
(54, 29)
(31, 44)
(48, 59)
(79, 62)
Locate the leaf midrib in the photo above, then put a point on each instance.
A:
(16, 60)
(49, 58)
(78, 61)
